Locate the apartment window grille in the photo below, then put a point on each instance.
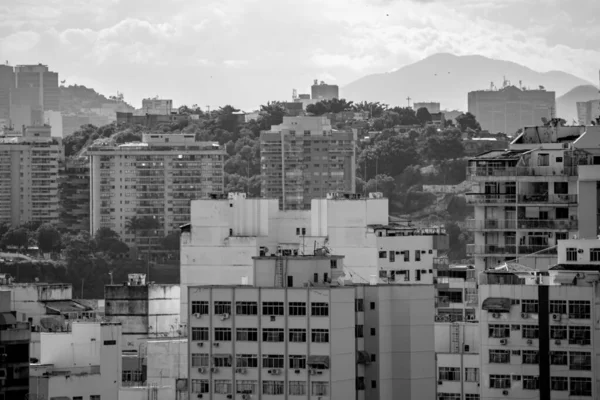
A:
(222, 307)
(221, 360)
(245, 387)
(200, 334)
(319, 309)
(448, 396)
(531, 382)
(558, 358)
(272, 308)
(531, 357)
(319, 389)
(222, 334)
(200, 307)
(471, 374)
(372, 305)
(297, 362)
(392, 256)
(472, 396)
(359, 305)
(579, 335)
(297, 388)
(406, 255)
(559, 383)
(320, 336)
(580, 361)
(273, 387)
(529, 306)
(579, 309)
(580, 386)
(246, 308)
(222, 386)
(297, 335)
(417, 255)
(246, 361)
(359, 331)
(199, 360)
(558, 332)
(200, 386)
(594, 255)
(383, 254)
(273, 335)
(498, 331)
(360, 383)
(558, 306)
(272, 361)
(499, 356)
(449, 374)
(571, 254)
(246, 334)
(297, 309)
(500, 381)
(530, 332)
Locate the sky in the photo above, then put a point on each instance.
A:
(248, 52)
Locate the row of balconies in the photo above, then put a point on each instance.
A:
(528, 224)
(508, 250)
(512, 199)
(474, 173)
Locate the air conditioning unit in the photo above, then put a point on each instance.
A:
(529, 341)
(470, 317)
(245, 396)
(504, 342)
(272, 318)
(467, 348)
(524, 315)
(197, 315)
(214, 369)
(229, 396)
(440, 382)
(555, 317)
(312, 372)
(200, 396)
(557, 342)
(505, 392)
(496, 315)
(200, 344)
(201, 370)
(296, 371)
(438, 318)
(319, 372)
(216, 344)
(241, 370)
(224, 317)
(274, 371)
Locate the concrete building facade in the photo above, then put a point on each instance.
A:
(588, 111)
(304, 158)
(322, 91)
(74, 192)
(157, 106)
(29, 165)
(432, 107)
(509, 109)
(155, 178)
(45, 82)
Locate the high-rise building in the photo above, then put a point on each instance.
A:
(511, 108)
(322, 91)
(152, 179)
(588, 111)
(304, 158)
(303, 330)
(432, 107)
(29, 164)
(44, 80)
(541, 190)
(7, 84)
(157, 106)
(74, 192)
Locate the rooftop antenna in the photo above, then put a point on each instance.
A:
(408, 99)
(520, 84)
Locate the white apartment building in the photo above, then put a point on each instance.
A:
(155, 178)
(84, 363)
(431, 106)
(157, 106)
(291, 336)
(539, 191)
(224, 234)
(29, 163)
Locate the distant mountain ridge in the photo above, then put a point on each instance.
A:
(74, 98)
(567, 103)
(447, 78)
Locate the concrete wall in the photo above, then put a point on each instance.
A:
(27, 298)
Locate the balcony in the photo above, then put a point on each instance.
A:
(560, 224)
(475, 173)
(489, 198)
(508, 250)
(548, 198)
(491, 224)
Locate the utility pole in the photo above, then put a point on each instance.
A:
(408, 99)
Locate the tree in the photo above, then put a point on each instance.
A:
(382, 183)
(375, 109)
(48, 238)
(108, 241)
(467, 120)
(442, 147)
(329, 106)
(423, 115)
(171, 241)
(271, 114)
(137, 225)
(18, 237)
(389, 157)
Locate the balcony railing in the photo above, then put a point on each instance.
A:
(475, 224)
(520, 171)
(509, 250)
(548, 198)
(488, 198)
(512, 224)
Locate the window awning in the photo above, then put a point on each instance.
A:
(322, 360)
(363, 357)
(496, 304)
(565, 278)
(7, 319)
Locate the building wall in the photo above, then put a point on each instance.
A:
(54, 119)
(432, 107)
(27, 298)
(74, 191)
(323, 91)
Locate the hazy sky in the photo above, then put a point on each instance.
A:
(246, 52)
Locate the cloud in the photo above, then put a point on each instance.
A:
(235, 63)
(19, 42)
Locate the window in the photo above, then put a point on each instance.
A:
(579, 309)
(373, 357)
(200, 386)
(372, 305)
(373, 331)
(529, 306)
(580, 387)
(272, 361)
(530, 332)
(273, 335)
(383, 254)
(580, 361)
(246, 308)
(246, 334)
(200, 334)
(559, 383)
(595, 255)
(392, 256)
(297, 335)
(360, 383)
(471, 396)
(448, 396)
(571, 254)
(297, 362)
(221, 360)
(245, 387)
(273, 387)
(246, 361)
(297, 388)
(74, 398)
(471, 374)
(498, 331)
(558, 332)
(200, 307)
(417, 255)
(406, 255)
(95, 397)
(500, 381)
(297, 308)
(579, 335)
(558, 307)
(531, 357)
(272, 308)
(562, 213)
(499, 356)
(543, 160)
(531, 382)
(319, 309)
(222, 386)
(222, 334)
(558, 358)
(222, 307)
(319, 389)
(358, 331)
(199, 360)
(359, 305)
(373, 384)
(320, 336)
(449, 374)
